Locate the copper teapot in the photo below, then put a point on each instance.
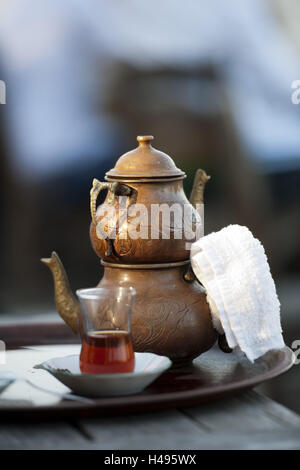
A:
(170, 316)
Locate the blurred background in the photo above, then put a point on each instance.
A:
(212, 81)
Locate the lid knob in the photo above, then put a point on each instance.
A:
(144, 139)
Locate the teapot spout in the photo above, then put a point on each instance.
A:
(66, 303)
(197, 194)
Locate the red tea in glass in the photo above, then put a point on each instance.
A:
(107, 352)
(106, 339)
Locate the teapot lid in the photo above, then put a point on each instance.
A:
(145, 163)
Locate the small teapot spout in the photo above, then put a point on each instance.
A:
(197, 194)
(66, 303)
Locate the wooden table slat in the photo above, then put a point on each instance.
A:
(140, 431)
(247, 412)
(36, 436)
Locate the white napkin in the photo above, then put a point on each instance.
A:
(232, 266)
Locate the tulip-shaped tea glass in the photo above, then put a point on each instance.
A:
(106, 338)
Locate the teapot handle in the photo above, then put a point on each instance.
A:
(118, 189)
(97, 187)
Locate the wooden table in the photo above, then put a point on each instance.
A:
(248, 421)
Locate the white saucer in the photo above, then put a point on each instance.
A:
(66, 369)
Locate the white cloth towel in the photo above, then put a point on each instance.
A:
(232, 266)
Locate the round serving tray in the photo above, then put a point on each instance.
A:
(212, 376)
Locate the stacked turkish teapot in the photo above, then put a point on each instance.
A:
(142, 233)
